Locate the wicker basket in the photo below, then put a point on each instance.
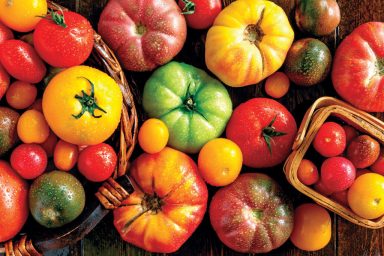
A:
(316, 115)
(111, 193)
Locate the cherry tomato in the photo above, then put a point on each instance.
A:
(200, 14)
(277, 85)
(65, 155)
(4, 81)
(32, 127)
(29, 160)
(21, 95)
(220, 161)
(21, 61)
(350, 133)
(360, 172)
(378, 165)
(5, 33)
(37, 105)
(153, 135)
(363, 151)
(340, 197)
(337, 173)
(97, 162)
(330, 139)
(322, 189)
(49, 144)
(307, 172)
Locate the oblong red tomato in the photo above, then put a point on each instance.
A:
(4, 81)
(5, 33)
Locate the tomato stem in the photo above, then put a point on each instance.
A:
(58, 18)
(269, 132)
(189, 7)
(152, 203)
(253, 32)
(380, 66)
(140, 29)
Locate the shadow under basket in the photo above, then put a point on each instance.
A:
(316, 115)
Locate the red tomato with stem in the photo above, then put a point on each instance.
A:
(29, 160)
(63, 39)
(4, 81)
(200, 14)
(330, 140)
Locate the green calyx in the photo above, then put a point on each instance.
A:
(253, 32)
(189, 103)
(88, 102)
(269, 132)
(380, 66)
(58, 19)
(189, 7)
(140, 29)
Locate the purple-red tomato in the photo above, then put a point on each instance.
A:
(200, 14)
(330, 139)
(337, 173)
(363, 151)
(29, 160)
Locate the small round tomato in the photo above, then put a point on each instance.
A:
(322, 189)
(340, 197)
(63, 39)
(32, 127)
(366, 196)
(65, 155)
(29, 160)
(200, 14)
(277, 85)
(350, 133)
(5, 33)
(337, 173)
(21, 95)
(97, 162)
(22, 15)
(153, 135)
(363, 151)
(330, 139)
(37, 105)
(220, 161)
(4, 81)
(378, 165)
(307, 172)
(312, 227)
(49, 144)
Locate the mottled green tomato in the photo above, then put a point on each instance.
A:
(194, 106)
(318, 17)
(308, 62)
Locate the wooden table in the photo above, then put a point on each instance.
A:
(347, 239)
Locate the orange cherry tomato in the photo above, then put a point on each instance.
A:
(153, 135)
(32, 127)
(49, 144)
(312, 228)
(21, 95)
(220, 161)
(65, 155)
(307, 172)
(277, 85)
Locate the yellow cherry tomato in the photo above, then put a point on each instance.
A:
(153, 135)
(32, 127)
(277, 85)
(65, 155)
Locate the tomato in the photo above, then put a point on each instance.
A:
(251, 215)
(65, 155)
(167, 205)
(220, 162)
(337, 173)
(21, 95)
(37, 105)
(307, 172)
(143, 34)
(49, 144)
(194, 106)
(363, 151)
(277, 85)
(330, 139)
(378, 165)
(13, 202)
(5, 33)
(360, 172)
(308, 62)
(322, 189)
(97, 162)
(313, 227)
(318, 17)
(200, 14)
(264, 130)
(153, 135)
(29, 160)
(248, 42)
(32, 127)
(88, 111)
(366, 196)
(341, 197)
(350, 133)
(358, 67)
(21, 61)
(63, 39)
(4, 81)
(22, 15)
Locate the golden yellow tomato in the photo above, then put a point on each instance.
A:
(248, 41)
(32, 127)
(22, 15)
(153, 135)
(82, 105)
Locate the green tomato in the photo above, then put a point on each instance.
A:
(194, 106)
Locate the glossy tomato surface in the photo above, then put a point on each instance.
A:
(363, 151)
(337, 173)
(200, 14)
(330, 139)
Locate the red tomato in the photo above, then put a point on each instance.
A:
(378, 165)
(322, 189)
(5, 33)
(363, 151)
(4, 81)
(29, 160)
(97, 162)
(13, 202)
(65, 155)
(307, 172)
(200, 14)
(350, 133)
(330, 140)
(64, 39)
(358, 67)
(21, 61)
(337, 173)
(341, 197)
(360, 172)
(264, 130)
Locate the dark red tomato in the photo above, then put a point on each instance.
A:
(363, 151)
(21, 61)
(200, 14)
(97, 162)
(341, 197)
(378, 165)
(337, 173)
(350, 133)
(330, 140)
(64, 39)
(4, 81)
(360, 172)
(5, 33)
(29, 160)
(322, 189)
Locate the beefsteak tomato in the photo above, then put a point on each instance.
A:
(358, 67)
(168, 203)
(248, 41)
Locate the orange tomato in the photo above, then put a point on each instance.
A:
(307, 172)
(220, 161)
(312, 228)
(65, 155)
(21, 95)
(277, 85)
(153, 135)
(366, 196)
(32, 127)
(49, 144)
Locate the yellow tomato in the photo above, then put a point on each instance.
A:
(153, 135)
(366, 196)
(220, 161)
(22, 15)
(248, 41)
(32, 127)
(277, 85)
(82, 105)
(65, 155)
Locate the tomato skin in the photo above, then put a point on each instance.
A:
(341, 197)
(153, 135)
(363, 151)
(21, 95)
(204, 14)
(32, 127)
(5, 33)
(322, 189)
(49, 144)
(29, 160)
(64, 47)
(277, 85)
(350, 133)
(330, 140)
(13, 202)
(307, 172)
(4, 81)
(65, 155)
(337, 173)
(21, 61)
(378, 165)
